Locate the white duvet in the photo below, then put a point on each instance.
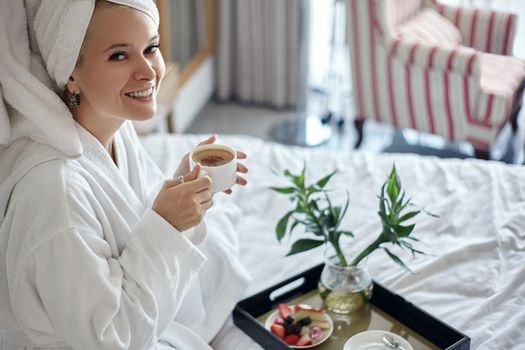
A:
(474, 280)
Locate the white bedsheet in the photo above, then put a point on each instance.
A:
(475, 279)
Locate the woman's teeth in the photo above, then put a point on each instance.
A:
(141, 94)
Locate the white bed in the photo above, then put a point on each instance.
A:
(475, 279)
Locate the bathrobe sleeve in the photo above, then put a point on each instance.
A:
(92, 300)
(83, 270)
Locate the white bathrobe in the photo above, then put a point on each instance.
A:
(85, 264)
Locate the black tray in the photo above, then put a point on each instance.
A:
(434, 331)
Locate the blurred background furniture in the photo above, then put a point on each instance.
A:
(444, 70)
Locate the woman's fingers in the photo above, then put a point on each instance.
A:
(204, 196)
(241, 181)
(207, 205)
(209, 140)
(241, 155)
(241, 168)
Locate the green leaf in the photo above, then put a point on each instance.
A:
(285, 190)
(413, 250)
(403, 231)
(397, 260)
(384, 218)
(302, 245)
(406, 204)
(430, 214)
(294, 225)
(287, 173)
(322, 182)
(312, 189)
(313, 205)
(280, 229)
(346, 205)
(347, 233)
(336, 213)
(299, 180)
(409, 215)
(382, 200)
(393, 185)
(330, 210)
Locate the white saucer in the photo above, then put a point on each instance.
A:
(373, 340)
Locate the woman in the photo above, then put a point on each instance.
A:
(97, 250)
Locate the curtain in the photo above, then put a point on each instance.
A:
(187, 29)
(261, 52)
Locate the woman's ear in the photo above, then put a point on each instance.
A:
(72, 85)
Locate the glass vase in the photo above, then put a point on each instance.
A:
(344, 289)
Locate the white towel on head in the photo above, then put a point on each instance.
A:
(31, 69)
(39, 44)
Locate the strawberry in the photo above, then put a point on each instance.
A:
(285, 311)
(304, 340)
(278, 330)
(291, 339)
(278, 320)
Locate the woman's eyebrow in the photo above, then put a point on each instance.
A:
(156, 36)
(116, 45)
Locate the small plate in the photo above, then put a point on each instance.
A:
(373, 340)
(327, 333)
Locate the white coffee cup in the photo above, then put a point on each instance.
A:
(219, 162)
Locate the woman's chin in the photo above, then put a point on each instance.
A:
(143, 115)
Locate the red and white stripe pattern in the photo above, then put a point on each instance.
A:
(438, 89)
(485, 30)
(429, 28)
(393, 13)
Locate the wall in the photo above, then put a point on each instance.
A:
(195, 93)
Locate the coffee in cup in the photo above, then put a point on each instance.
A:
(212, 157)
(219, 162)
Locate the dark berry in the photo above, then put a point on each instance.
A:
(305, 321)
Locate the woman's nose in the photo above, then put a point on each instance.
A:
(144, 70)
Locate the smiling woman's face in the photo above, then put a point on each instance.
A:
(120, 67)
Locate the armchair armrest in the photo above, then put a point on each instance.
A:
(463, 60)
(485, 30)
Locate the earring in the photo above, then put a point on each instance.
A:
(72, 99)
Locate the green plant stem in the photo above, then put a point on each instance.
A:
(340, 255)
(367, 251)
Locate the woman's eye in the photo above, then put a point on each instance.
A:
(152, 48)
(118, 56)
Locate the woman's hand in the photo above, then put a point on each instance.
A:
(183, 204)
(241, 168)
(184, 166)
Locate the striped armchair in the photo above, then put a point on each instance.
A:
(422, 65)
